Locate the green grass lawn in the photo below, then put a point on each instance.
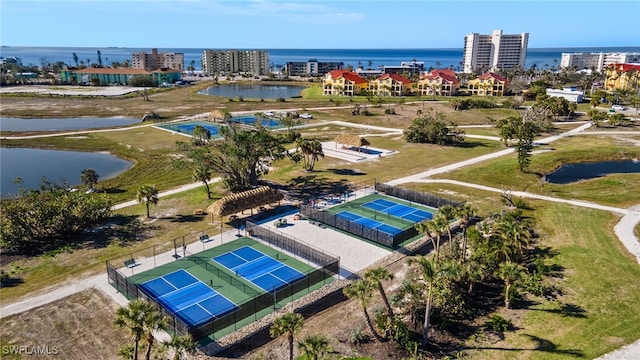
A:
(599, 310)
(613, 190)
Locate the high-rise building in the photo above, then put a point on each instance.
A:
(235, 61)
(156, 60)
(495, 51)
(597, 61)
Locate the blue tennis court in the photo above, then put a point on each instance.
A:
(262, 270)
(251, 120)
(370, 223)
(399, 210)
(187, 128)
(187, 297)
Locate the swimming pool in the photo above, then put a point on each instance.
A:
(187, 127)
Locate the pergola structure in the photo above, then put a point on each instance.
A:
(352, 140)
(244, 200)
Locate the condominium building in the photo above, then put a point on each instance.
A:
(111, 76)
(390, 85)
(255, 62)
(494, 51)
(312, 67)
(156, 60)
(343, 83)
(488, 84)
(597, 61)
(441, 82)
(622, 77)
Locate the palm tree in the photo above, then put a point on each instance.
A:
(288, 324)
(200, 135)
(375, 276)
(311, 150)
(516, 234)
(132, 317)
(510, 272)
(202, 173)
(465, 212)
(448, 213)
(434, 229)
(89, 177)
(148, 194)
(363, 292)
(181, 346)
(428, 274)
(314, 346)
(153, 321)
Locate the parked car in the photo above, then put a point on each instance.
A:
(268, 113)
(618, 107)
(306, 116)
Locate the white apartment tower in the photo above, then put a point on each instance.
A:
(597, 61)
(235, 61)
(156, 60)
(494, 51)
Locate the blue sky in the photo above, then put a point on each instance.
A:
(282, 24)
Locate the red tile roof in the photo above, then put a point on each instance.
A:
(446, 75)
(399, 78)
(351, 76)
(493, 75)
(626, 67)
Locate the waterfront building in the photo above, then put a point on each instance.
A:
(597, 61)
(343, 83)
(487, 84)
(312, 67)
(390, 85)
(111, 76)
(493, 52)
(369, 73)
(10, 60)
(406, 68)
(622, 77)
(570, 93)
(156, 60)
(255, 62)
(442, 82)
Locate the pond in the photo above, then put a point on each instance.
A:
(570, 173)
(254, 91)
(57, 166)
(54, 124)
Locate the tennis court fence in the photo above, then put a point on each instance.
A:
(415, 196)
(380, 237)
(259, 304)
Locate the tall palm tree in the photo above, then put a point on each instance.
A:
(288, 324)
(314, 346)
(509, 272)
(448, 213)
(433, 228)
(153, 321)
(466, 212)
(363, 292)
(516, 234)
(376, 276)
(311, 150)
(89, 177)
(148, 194)
(181, 346)
(428, 275)
(132, 317)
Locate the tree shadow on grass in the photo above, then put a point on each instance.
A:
(184, 218)
(470, 144)
(542, 345)
(347, 172)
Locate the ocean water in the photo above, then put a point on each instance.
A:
(368, 58)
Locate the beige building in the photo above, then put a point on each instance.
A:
(442, 82)
(156, 60)
(622, 77)
(494, 51)
(255, 62)
(488, 84)
(597, 61)
(343, 83)
(390, 85)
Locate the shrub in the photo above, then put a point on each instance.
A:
(358, 336)
(498, 323)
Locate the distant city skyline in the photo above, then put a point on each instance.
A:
(298, 24)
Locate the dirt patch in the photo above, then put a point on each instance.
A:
(70, 328)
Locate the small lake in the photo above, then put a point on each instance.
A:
(254, 91)
(55, 124)
(57, 166)
(570, 173)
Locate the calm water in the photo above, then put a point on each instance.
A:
(254, 91)
(569, 173)
(57, 166)
(373, 58)
(52, 124)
